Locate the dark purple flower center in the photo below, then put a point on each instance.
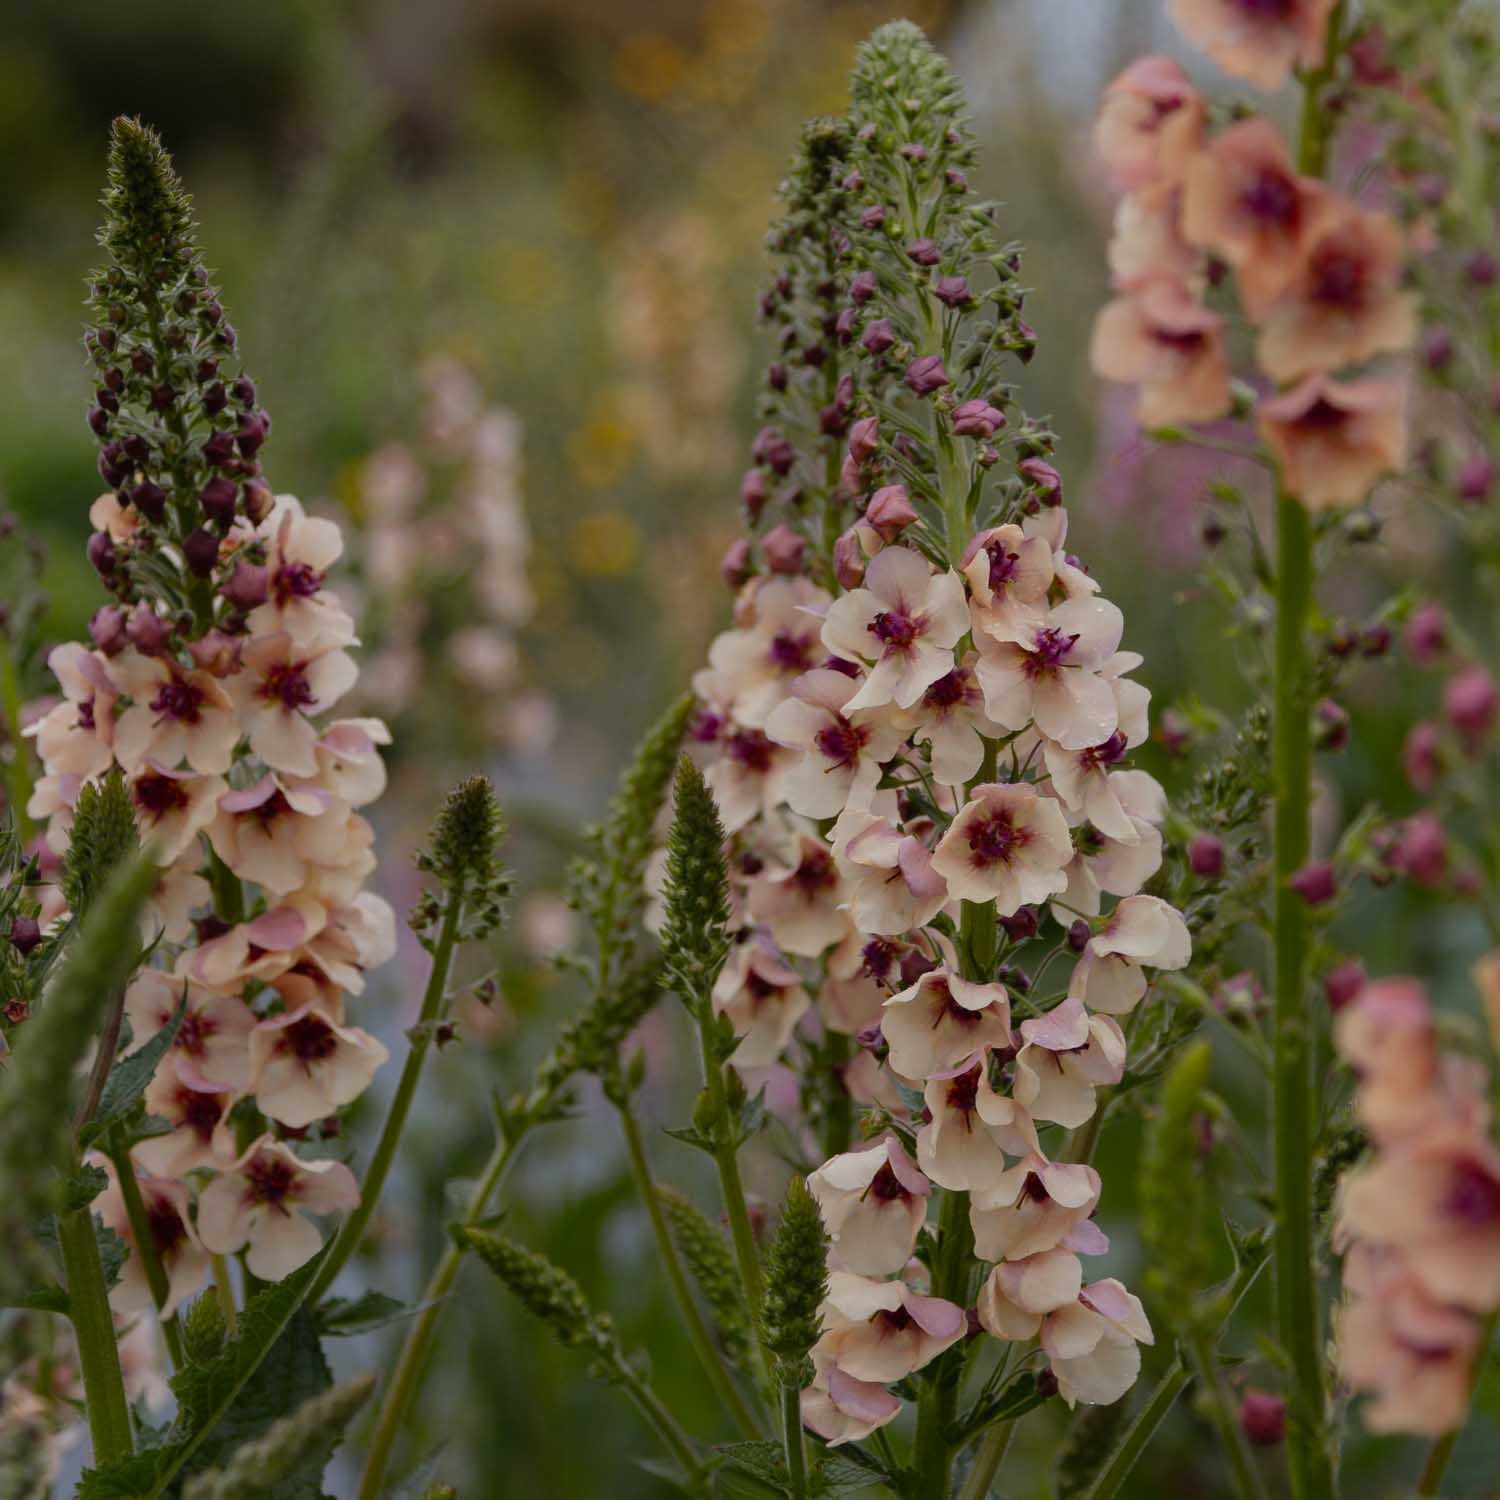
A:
(1004, 565)
(178, 700)
(791, 653)
(1267, 10)
(1188, 342)
(815, 873)
(1110, 753)
(167, 1229)
(879, 958)
(158, 795)
(963, 1092)
(948, 691)
(287, 684)
(270, 1179)
(1034, 1189)
(1323, 416)
(893, 1319)
(194, 1033)
(310, 1040)
(994, 839)
(200, 1112)
(296, 581)
(1048, 652)
(886, 1186)
(751, 749)
(1272, 198)
(1473, 1195)
(1338, 279)
(841, 742)
(86, 715)
(895, 629)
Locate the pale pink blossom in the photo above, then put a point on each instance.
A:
(304, 1067)
(1117, 866)
(757, 663)
(852, 996)
(213, 1035)
(763, 996)
(1148, 240)
(174, 807)
(1066, 1055)
(841, 749)
(276, 833)
(950, 720)
(882, 1331)
(1009, 574)
(1007, 845)
(1334, 439)
(197, 1108)
(1142, 930)
(892, 882)
(283, 682)
(349, 761)
(873, 1203)
(1034, 1206)
(1150, 122)
(300, 549)
(1257, 42)
(1018, 1294)
(178, 1248)
(1052, 675)
(841, 1409)
(260, 1203)
(1386, 1033)
(75, 736)
(174, 715)
(1092, 1345)
(799, 900)
(905, 622)
(941, 1020)
(971, 1129)
(748, 777)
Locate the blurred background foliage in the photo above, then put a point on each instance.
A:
(564, 202)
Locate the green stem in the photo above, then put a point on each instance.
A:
(1293, 1114)
(415, 1348)
(94, 1333)
(224, 1289)
(1140, 1432)
(937, 1406)
(673, 1438)
(794, 1442)
(1442, 1450)
(1247, 1481)
(104, 1060)
(987, 1461)
(18, 784)
(144, 1245)
(354, 1226)
(838, 1120)
(692, 1317)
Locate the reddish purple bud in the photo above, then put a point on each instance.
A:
(98, 421)
(864, 439)
(914, 964)
(1482, 269)
(1427, 633)
(1375, 640)
(244, 391)
(953, 291)
(101, 553)
(248, 585)
(1470, 700)
(147, 631)
(772, 449)
(873, 217)
(1343, 982)
(1315, 882)
(1021, 924)
(783, 550)
(890, 511)
(776, 376)
(849, 559)
(217, 498)
(1422, 849)
(1079, 934)
(107, 629)
(923, 252)
(754, 492)
(1421, 755)
(219, 448)
(737, 566)
(1046, 1384)
(879, 336)
(843, 326)
(862, 288)
(956, 181)
(215, 398)
(162, 396)
(1206, 856)
(252, 433)
(259, 501)
(926, 374)
(974, 418)
(112, 468)
(149, 499)
(1475, 477)
(1263, 1418)
(200, 551)
(25, 934)
(1042, 478)
(914, 151)
(1330, 725)
(1437, 349)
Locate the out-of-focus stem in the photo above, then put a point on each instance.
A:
(18, 784)
(1231, 1436)
(1442, 1449)
(987, 1461)
(145, 1248)
(94, 1332)
(1140, 1432)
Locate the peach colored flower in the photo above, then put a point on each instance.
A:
(905, 621)
(1486, 976)
(941, 1020)
(259, 949)
(1066, 1055)
(882, 1331)
(197, 1108)
(349, 761)
(76, 735)
(1053, 677)
(1007, 845)
(283, 682)
(300, 549)
(277, 833)
(1148, 241)
(757, 663)
(1159, 337)
(262, 1201)
(178, 1247)
(950, 720)
(213, 1036)
(174, 807)
(748, 776)
(1009, 573)
(1258, 41)
(1386, 1034)
(1334, 439)
(1244, 201)
(1018, 1294)
(304, 1067)
(972, 1127)
(1119, 866)
(1140, 930)
(174, 715)
(1150, 122)
(892, 881)
(800, 900)
(1092, 1344)
(1344, 302)
(764, 998)
(842, 749)
(841, 1409)
(853, 995)
(873, 1203)
(1034, 1206)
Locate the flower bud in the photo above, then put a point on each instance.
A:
(849, 559)
(776, 375)
(259, 501)
(737, 567)
(147, 631)
(252, 433)
(1263, 1418)
(878, 337)
(1426, 633)
(890, 511)
(244, 391)
(1421, 850)
(1206, 856)
(1475, 477)
(783, 550)
(215, 398)
(217, 499)
(864, 439)
(1470, 700)
(218, 449)
(1482, 269)
(924, 252)
(101, 553)
(1437, 349)
(1079, 933)
(926, 374)
(217, 653)
(98, 420)
(1021, 924)
(772, 449)
(248, 585)
(1343, 982)
(953, 291)
(1330, 725)
(107, 629)
(149, 499)
(862, 288)
(1316, 882)
(1375, 640)
(873, 217)
(25, 934)
(200, 550)
(1421, 755)
(974, 418)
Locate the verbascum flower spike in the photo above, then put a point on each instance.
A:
(696, 891)
(463, 857)
(707, 1255)
(104, 835)
(796, 1284)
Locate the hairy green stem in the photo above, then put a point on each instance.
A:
(94, 1332)
(144, 1247)
(1163, 1398)
(937, 1406)
(353, 1228)
(224, 1290)
(673, 1438)
(692, 1316)
(104, 1060)
(1247, 1481)
(987, 1461)
(794, 1442)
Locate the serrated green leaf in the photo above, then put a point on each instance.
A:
(690, 1135)
(342, 1317)
(764, 1460)
(128, 1078)
(130, 1479)
(847, 1472)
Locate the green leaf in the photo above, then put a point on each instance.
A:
(130, 1479)
(764, 1460)
(1015, 1399)
(128, 1078)
(847, 1471)
(690, 1135)
(341, 1317)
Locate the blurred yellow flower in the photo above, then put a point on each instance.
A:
(649, 66)
(606, 543)
(599, 450)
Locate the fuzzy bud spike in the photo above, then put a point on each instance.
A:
(697, 888)
(709, 1259)
(546, 1292)
(464, 857)
(899, 69)
(590, 1043)
(796, 1284)
(103, 836)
